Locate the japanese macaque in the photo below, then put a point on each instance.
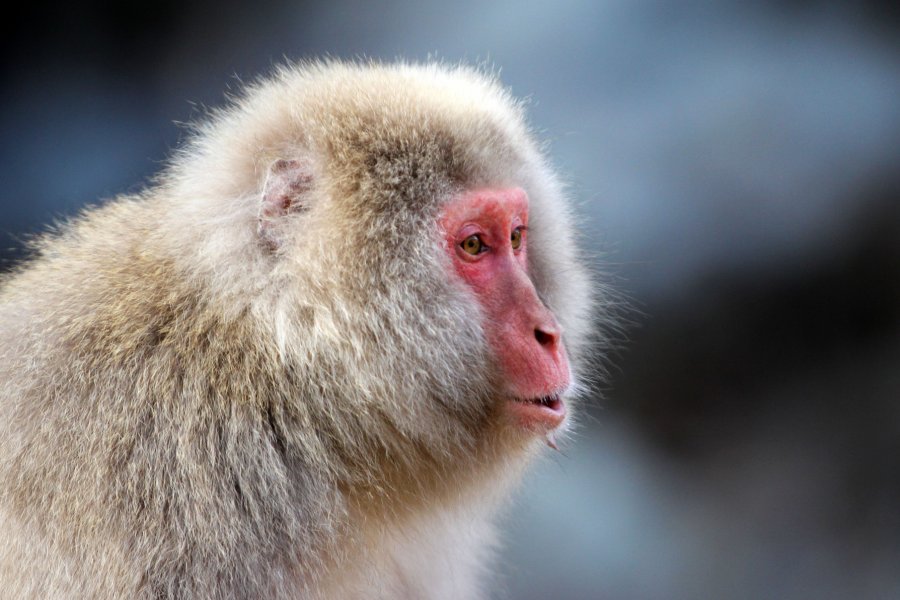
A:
(307, 362)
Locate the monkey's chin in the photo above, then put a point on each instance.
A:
(541, 415)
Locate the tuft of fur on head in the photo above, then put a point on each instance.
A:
(208, 384)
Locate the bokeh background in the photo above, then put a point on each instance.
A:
(737, 172)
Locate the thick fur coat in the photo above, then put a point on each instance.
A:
(190, 411)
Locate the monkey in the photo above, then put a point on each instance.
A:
(310, 359)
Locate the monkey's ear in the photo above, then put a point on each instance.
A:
(285, 192)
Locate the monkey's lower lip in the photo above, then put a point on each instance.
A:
(542, 414)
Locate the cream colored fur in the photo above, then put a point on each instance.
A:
(186, 412)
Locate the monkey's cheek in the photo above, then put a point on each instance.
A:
(540, 416)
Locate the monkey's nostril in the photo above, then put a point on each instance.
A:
(544, 338)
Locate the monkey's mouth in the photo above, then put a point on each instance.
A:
(542, 413)
(552, 402)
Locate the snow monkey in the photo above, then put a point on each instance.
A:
(307, 361)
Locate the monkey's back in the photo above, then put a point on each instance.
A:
(138, 449)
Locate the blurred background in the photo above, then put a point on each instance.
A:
(737, 171)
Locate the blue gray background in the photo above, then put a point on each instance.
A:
(737, 172)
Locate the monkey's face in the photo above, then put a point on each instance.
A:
(486, 234)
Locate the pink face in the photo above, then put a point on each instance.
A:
(486, 232)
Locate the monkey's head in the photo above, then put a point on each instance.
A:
(412, 261)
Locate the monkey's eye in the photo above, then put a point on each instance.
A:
(516, 238)
(473, 245)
